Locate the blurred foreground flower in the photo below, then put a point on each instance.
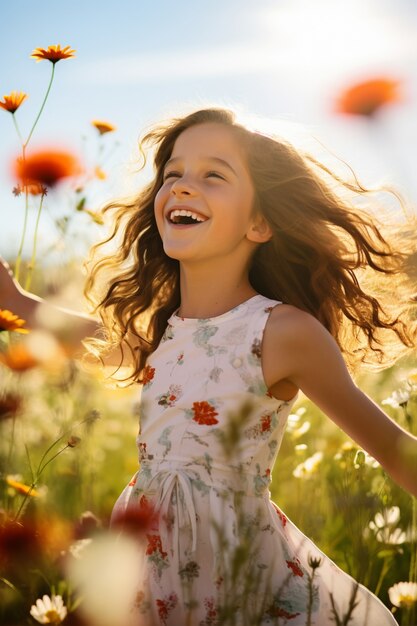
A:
(18, 358)
(10, 404)
(108, 576)
(103, 127)
(53, 53)
(384, 526)
(49, 610)
(11, 322)
(13, 101)
(403, 595)
(368, 97)
(46, 167)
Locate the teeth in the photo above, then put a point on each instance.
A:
(184, 213)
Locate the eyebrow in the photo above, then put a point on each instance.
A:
(214, 159)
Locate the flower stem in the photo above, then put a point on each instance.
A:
(35, 237)
(25, 223)
(17, 129)
(42, 106)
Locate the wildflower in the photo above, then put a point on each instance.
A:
(73, 441)
(103, 127)
(49, 610)
(13, 101)
(384, 526)
(88, 524)
(100, 173)
(18, 358)
(46, 167)
(135, 520)
(33, 189)
(53, 53)
(398, 398)
(10, 321)
(309, 466)
(314, 561)
(368, 97)
(19, 543)
(403, 595)
(77, 548)
(26, 490)
(10, 404)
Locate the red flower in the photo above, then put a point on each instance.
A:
(46, 167)
(367, 97)
(136, 520)
(296, 569)
(265, 423)
(148, 374)
(204, 413)
(155, 545)
(166, 606)
(280, 515)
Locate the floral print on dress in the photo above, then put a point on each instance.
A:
(205, 467)
(147, 376)
(169, 398)
(204, 413)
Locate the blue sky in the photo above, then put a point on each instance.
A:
(140, 61)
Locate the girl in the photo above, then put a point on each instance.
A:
(234, 287)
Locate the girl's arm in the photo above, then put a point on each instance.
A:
(308, 356)
(68, 325)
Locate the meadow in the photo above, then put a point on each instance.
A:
(67, 443)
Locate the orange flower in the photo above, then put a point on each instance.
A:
(10, 321)
(13, 101)
(103, 127)
(367, 97)
(18, 358)
(53, 53)
(46, 167)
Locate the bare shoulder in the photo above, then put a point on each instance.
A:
(291, 325)
(295, 340)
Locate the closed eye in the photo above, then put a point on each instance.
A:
(215, 175)
(171, 174)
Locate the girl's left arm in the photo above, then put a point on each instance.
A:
(313, 362)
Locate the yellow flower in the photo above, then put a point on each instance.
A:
(53, 53)
(10, 321)
(99, 173)
(26, 490)
(103, 127)
(13, 101)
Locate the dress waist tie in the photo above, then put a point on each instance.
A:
(176, 479)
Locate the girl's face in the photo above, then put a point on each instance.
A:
(204, 207)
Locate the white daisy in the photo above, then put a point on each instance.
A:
(403, 595)
(49, 610)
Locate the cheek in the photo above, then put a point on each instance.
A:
(159, 204)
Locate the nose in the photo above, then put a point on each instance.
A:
(182, 187)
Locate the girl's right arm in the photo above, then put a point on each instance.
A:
(68, 326)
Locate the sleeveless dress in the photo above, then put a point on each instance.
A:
(221, 552)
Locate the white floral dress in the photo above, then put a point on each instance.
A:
(221, 551)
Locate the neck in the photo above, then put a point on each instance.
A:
(208, 292)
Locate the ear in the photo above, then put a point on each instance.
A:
(259, 231)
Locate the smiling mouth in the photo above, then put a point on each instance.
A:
(185, 217)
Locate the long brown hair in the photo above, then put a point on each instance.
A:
(322, 244)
